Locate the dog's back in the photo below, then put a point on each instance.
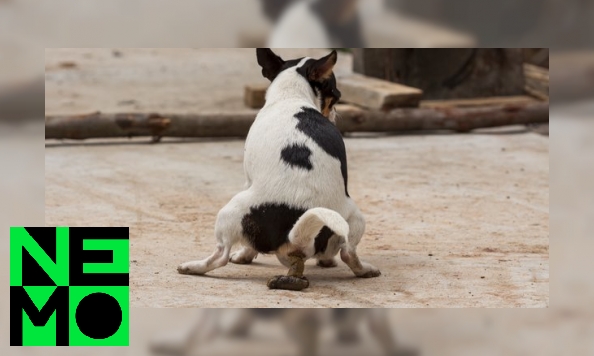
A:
(293, 154)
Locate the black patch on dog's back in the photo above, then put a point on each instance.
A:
(267, 227)
(326, 135)
(321, 241)
(297, 155)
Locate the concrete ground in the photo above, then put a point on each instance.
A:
(452, 220)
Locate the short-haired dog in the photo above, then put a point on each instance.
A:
(296, 202)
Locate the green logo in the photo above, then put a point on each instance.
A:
(69, 286)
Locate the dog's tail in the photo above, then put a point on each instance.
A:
(305, 230)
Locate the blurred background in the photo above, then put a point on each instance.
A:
(27, 27)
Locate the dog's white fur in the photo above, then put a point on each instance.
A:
(269, 179)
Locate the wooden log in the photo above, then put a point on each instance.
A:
(477, 102)
(99, 124)
(254, 95)
(352, 119)
(375, 93)
(443, 118)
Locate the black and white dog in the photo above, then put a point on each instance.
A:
(296, 203)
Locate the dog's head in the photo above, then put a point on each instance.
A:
(318, 73)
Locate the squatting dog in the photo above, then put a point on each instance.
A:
(296, 204)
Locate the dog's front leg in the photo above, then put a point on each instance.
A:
(217, 259)
(227, 231)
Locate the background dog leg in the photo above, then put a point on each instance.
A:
(294, 280)
(347, 322)
(380, 328)
(244, 256)
(242, 324)
(182, 343)
(303, 327)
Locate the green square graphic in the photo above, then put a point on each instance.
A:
(21, 239)
(121, 251)
(69, 286)
(39, 335)
(107, 298)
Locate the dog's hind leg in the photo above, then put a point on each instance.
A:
(348, 254)
(327, 262)
(302, 243)
(327, 259)
(228, 232)
(244, 256)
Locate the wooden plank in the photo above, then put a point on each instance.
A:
(356, 89)
(476, 102)
(254, 95)
(377, 94)
(536, 81)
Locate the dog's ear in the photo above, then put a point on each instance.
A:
(321, 69)
(271, 63)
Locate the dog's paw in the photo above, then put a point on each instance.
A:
(183, 269)
(368, 271)
(189, 268)
(288, 283)
(327, 263)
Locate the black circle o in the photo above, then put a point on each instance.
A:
(98, 315)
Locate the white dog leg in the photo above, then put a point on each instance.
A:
(244, 256)
(218, 259)
(242, 323)
(228, 232)
(381, 330)
(348, 254)
(303, 326)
